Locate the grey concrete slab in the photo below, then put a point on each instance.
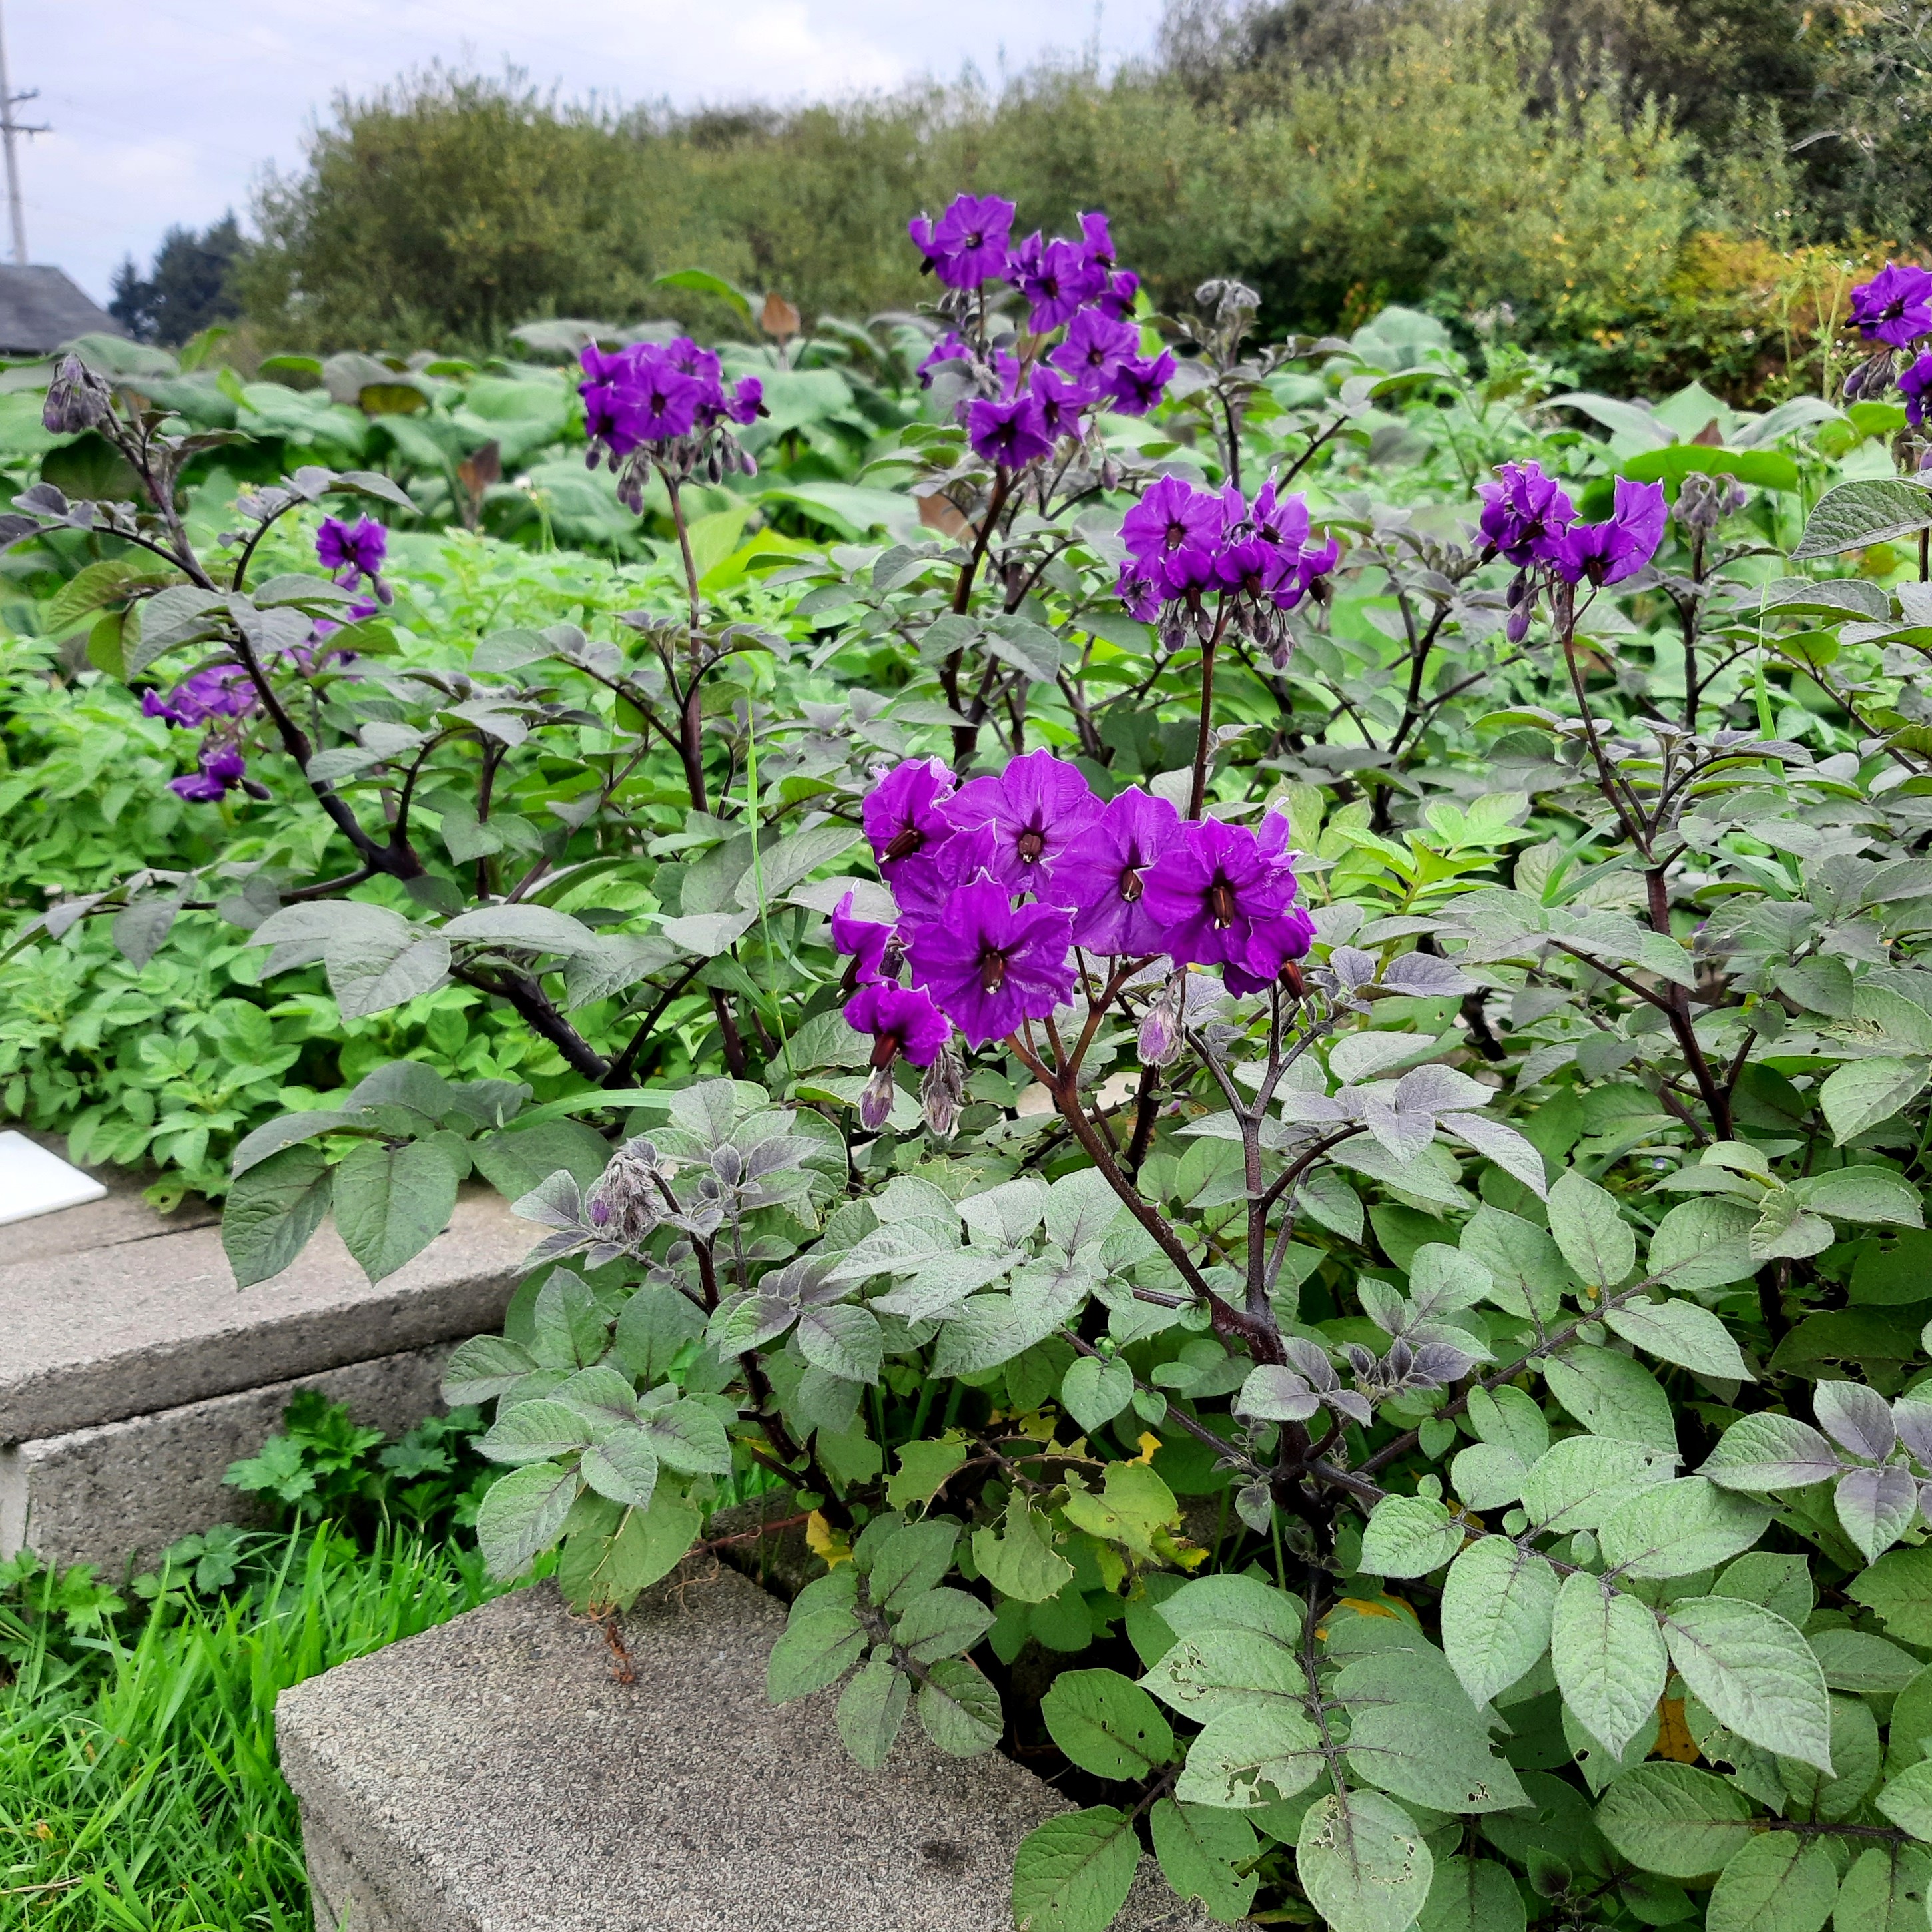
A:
(91, 1335)
(494, 1775)
(122, 1491)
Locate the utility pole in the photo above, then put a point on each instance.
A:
(9, 128)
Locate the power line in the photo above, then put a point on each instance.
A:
(9, 128)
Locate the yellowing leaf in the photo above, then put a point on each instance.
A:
(1149, 1444)
(822, 1539)
(1674, 1740)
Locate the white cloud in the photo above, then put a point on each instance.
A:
(178, 104)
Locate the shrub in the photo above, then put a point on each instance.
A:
(1378, 1025)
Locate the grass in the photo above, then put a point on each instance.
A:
(139, 1786)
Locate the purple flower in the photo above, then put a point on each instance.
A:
(1139, 587)
(1100, 875)
(1056, 278)
(902, 815)
(1525, 515)
(991, 965)
(1095, 243)
(222, 691)
(1282, 521)
(1011, 432)
(1139, 381)
(1094, 346)
(1895, 306)
(1607, 553)
(222, 767)
(903, 1021)
(747, 401)
(864, 939)
(967, 245)
(1271, 948)
(1117, 303)
(1035, 806)
(1216, 892)
(353, 551)
(951, 347)
(1062, 402)
(923, 883)
(1172, 516)
(1913, 385)
(1292, 585)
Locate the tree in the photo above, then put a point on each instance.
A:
(191, 285)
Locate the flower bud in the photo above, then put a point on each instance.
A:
(875, 1103)
(1160, 1028)
(625, 1206)
(943, 1091)
(77, 399)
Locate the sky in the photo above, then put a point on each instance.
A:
(167, 111)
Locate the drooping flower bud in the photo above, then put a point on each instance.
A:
(1160, 1027)
(77, 399)
(625, 1205)
(1703, 501)
(943, 1092)
(875, 1103)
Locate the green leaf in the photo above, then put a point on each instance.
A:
(1612, 1396)
(1249, 1756)
(842, 1338)
(482, 1368)
(271, 1211)
(688, 1437)
(1577, 1482)
(1675, 1820)
(1211, 1670)
(1764, 1452)
(1529, 1274)
(1857, 1660)
(1609, 1658)
(537, 1431)
(1862, 1093)
(653, 1327)
(522, 1515)
(1106, 1724)
(1898, 1586)
(1133, 1503)
(1680, 1332)
(909, 1559)
(1202, 1851)
(813, 1651)
(871, 1708)
(959, 1707)
(706, 283)
(1472, 1895)
(1362, 1862)
(391, 1202)
(1704, 1243)
(1022, 1564)
(1754, 1673)
(941, 1623)
(1409, 1536)
(1884, 1891)
(1907, 1800)
(1073, 1873)
(924, 1467)
(1498, 1602)
(1093, 1392)
(1774, 1883)
(1869, 510)
(1862, 1193)
(1596, 1240)
(1679, 1528)
(623, 1467)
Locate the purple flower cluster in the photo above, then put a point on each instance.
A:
(1028, 403)
(222, 769)
(1529, 519)
(999, 880)
(665, 403)
(1186, 543)
(354, 553)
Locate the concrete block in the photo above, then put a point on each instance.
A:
(494, 1775)
(122, 1491)
(90, 1335)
